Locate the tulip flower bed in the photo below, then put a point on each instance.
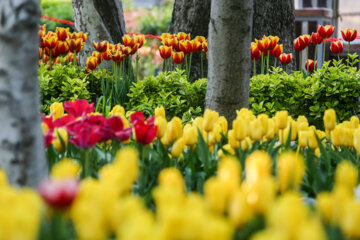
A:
(127, 177)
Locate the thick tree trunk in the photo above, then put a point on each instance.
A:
(101, 19)
(192, 16)
(229, 65)
(22, 153)
(277, 18)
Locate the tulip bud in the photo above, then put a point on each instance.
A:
(354, 122)
(303, 138)
(61, 139)
(330, 119)
(246, 144)
(178, 148)
(223, 124)
(57, 110)
(241, 129)
(229, 172)
(210, 118)
(161, 124)
(310, 65)
(349, 35)
(177, 57)
(117, 110)
(215, 195)
(257, 166)
(160, 111)
(338, 135)
(326, 31)
(234, 143)
(64, 169)
(281, 118)
(337, 47)
(264, 119)
(256, 131)
(356, 142)
(172, 178)
(190, 135)
(239, 210)
(165, 52)
(290, 170)
(285, 59)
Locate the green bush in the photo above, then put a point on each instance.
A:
(68, 82)
(336, 87)
(61, 9)
(171, 90)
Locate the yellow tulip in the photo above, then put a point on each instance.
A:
(178, 148)
(257, 166)
(60, 134)
(256, 130)
(117, 110)
(330, 119)
(223, 124)
(161, 124)
(241, 129)
(356, 142)
(66, 168)
(281, 118)
(346, 175)
(160, 112)
(172, 178)
(271, 129)
(239, 210)
(264, 119)
(57, 110)
(233, 142)
(290, 171)
(210, 118)
(190, 135)
(354, 122)
(246, 144)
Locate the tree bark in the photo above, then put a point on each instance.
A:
(102, 19)
(277, 18)
(229, 65)
(192, 16)
(22, 153)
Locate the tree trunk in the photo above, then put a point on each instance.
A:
(192, 16)
(277, 18)
(229, 56)
(102, 19)
(21, 142)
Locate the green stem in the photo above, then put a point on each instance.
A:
(74, 60)
(300, 60)
(307, 59)
(86, 172)
(137, 67)
(202, 64)
(254, 68)
(267, 61)
(186, 67)
(316, 47)
(165, 69)
(286, 68)
(262, 63)
(190, 65)
(275, 62)
(348, 53)
(50, 60)
(324, 52)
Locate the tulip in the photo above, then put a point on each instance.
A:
(56, 110)
(285, 59)
(257, 166)
(75, 45)
(316, 38)
(290, 170)
(299, 44)
(135, 48)
(145, 131)
(160, 111)
(182, 36)
(196, 46)
(190, 135)
(326, 31)
(62, 33)
(97, 56)
(256, 130)
(273, 42)
(204, 46)
(310, 65)
(210, 118)
(178, 57)
(281, 118)
(165, 52)
(241, 129)
(255, 52)
(51, 42)
(165, 36)
(263, 44)
(127, 51)
(60, 138)
(91, 63)
(107, 55)
(101, 46)
(161, 124)
(200, 39)
(78, 107)
(349, 35)
(140, 39)
(62, 48)
(346, 175)
(277, 51)
(117, 56)
(169, 42)
(337, 47)
(59, 193)
(178, 148)
(329, 119)
(186, 46)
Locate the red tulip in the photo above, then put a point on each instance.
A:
(299, 44)
(101, 46)
(75, 45)
(178, 57)
(316, 38)
(326, 31)
(62, 33)
(145, 131)
(186, 46)
(349, 35)
(165, 52)
(273, 42)
(310, 65)
(285, 59)
(78, 107)
(337, 47)
(48, 138)
(263, 44)
(86, 135)
(59, 194)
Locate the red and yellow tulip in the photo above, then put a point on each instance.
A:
(337, 47)
(178, 57)
(349, 35)
(101, 46)
(326, 31)
(285, 59)
(165, 52)
(91, 63)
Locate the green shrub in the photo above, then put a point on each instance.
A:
(171, 90)
(68, 82)
(336, 87)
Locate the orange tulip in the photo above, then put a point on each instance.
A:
(285, 59)
(91, 63)
(141, 40)
(326, 31)
(98, 56)
(349, 35)
(178, 57)
(130, 41)
(118, 56)
(165, 52)
(166, 36)
(273, 42)
(126, 51)
(75, 45)
(263, 44)
(62, 48)
(62, 33)
(277, 51)
(186, 46)
(135, 48)
(51, 42)
(183, 36)
(101, 46)
(255, 52)
(168, 42)
(50, 34)
(310, 65)
(200, 39)
(197, 45)
(337, 47)
(83, 36)
(74, 35)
